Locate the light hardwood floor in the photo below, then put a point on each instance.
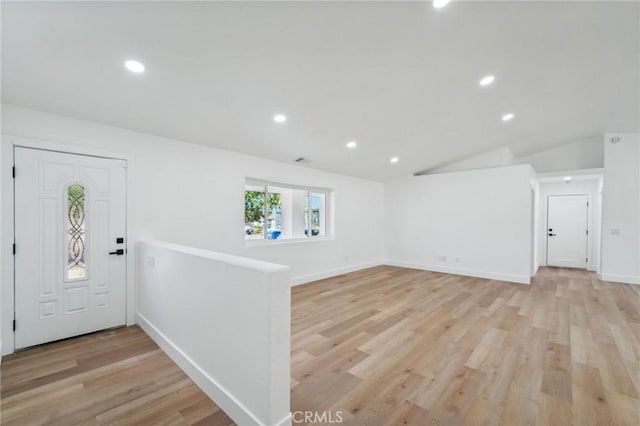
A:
(400, 346)
(381, 346)
(117, 377)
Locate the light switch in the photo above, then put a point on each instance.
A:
(615, 231)
(151, 261)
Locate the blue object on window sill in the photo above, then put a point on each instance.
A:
(273, 234)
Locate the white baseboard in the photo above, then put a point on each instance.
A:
(625, 279)
(221, 396)
(332, 273)
(520, 279)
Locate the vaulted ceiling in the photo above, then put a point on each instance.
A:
(400, 78)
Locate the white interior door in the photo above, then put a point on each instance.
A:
(567, 231)
(70, 262)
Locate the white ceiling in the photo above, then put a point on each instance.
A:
(400, 78)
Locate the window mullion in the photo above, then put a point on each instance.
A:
(266, 209)
(308, 213)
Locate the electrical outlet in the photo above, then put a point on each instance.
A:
(442, 258)
(457, 260)
(346, 258)
(615, 231)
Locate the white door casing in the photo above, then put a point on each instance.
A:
(567, 230)
(62, 292)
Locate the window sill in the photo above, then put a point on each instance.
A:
(261, 243)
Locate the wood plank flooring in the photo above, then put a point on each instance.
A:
(392, 346)
(383, 346)
(112, 377)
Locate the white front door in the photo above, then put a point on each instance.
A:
(70, 225)
(567, 231)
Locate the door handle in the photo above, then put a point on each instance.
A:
(118, 252)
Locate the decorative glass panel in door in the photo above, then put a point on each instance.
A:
(76, 262)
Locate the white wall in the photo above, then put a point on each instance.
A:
(194, 195)
(536, 225)
(225, 320)
(591, 189)
(621, 209)
(4, 236)
(479, 221)
(584, 154)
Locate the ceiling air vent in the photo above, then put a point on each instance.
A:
(302, 160)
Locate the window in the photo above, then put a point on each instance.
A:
(284, 212)
(76, 266)
(317, 216)
(254, 212)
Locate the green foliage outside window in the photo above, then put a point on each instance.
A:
(254, 205)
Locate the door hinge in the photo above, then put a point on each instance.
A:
(587, 232)
(14, 248)
(586, 259)
(14, 172)
(14, 325)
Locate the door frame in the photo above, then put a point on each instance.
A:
(7, 229)
(589, 227)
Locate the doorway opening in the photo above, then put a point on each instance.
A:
(570, 219)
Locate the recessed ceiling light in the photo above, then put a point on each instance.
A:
(509, 116)
(439, 4)
(279, 118)
(352, 144)
(134, 66)
(487, 80)
(567, 179)
(394, 160)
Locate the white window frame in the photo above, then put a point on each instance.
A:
(309, 190)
